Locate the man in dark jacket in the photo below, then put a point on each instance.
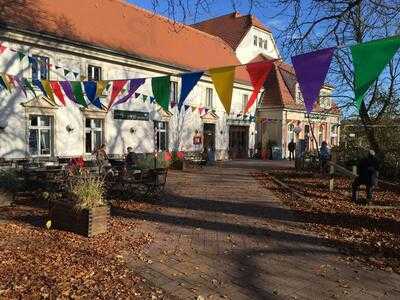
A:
(368, 175)
(291, 147)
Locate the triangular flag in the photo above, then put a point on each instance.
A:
(4, 82)
(47, 87)
(58, 67)
(189, 81)
(144, 98)
(117, 86)
(29, 86)
(223, 82)
(78, 93)
(21, 55)
(258, 73)
(2, 48)
(193, 108)
(152, 99)
(21, 85)
(10, 79)
(311, 69)
(66, 72)
(31, 59)
(187, 107)
(137, 95)
(76, 74)
(161, 87)
(369, 60)
(38, 83)
(90, 90)
(101, 85)
(68, 90)
(134, 84)
(57, 91)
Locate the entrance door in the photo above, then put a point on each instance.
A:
(238, 141)
(209, 136)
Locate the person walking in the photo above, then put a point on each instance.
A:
(367, 175)
(291, 147)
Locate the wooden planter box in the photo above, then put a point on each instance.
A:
(177, 165)
(87, 222)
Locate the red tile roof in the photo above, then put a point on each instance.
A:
(280, 89)
(231, 27)
(117, 25)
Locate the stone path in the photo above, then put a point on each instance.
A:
(220, 235)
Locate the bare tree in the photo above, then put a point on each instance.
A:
(325, 23)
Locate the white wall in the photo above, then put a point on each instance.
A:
(118, 136)
(246, 50)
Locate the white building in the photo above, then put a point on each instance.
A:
(111, 39)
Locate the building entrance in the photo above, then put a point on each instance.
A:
(238, 141)
(209, 136)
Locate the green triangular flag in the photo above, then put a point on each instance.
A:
(66, 72)
(21, 55)
(28, 86)
(78, 93)
(369, 60)
(144, 98)
(161, 90)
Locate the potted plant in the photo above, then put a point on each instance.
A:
(177, 160)
(82, 208)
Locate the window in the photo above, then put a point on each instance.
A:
(40, 67)
(290, 133)
(161, 135)
(40, 135)
(260, 42)
(94, 73)
(320, 135)
(209, 98)
(265, 44)
(334, 131)
(93, 134)
(299, 95)
(325, 99)
(174, 92)
(255, 40)
(245, 99)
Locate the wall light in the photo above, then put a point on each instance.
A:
(69, 128)
(132, 130)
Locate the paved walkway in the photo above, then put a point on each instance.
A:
(220, 235)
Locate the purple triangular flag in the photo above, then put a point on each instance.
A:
(68, 90)
(134, 84)
(311, 69)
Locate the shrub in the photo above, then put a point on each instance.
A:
(87, 192)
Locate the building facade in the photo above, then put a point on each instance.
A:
(70, 44)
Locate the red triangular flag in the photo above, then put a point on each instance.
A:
(57, 91)
(2, 48)
(258, 73)
(116, 88)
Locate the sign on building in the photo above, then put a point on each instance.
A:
(131, 115)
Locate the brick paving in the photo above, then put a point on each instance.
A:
(220, 235)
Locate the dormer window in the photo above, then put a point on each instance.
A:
(265, 44)
(260, 42)
(325, 99)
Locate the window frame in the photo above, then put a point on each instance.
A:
(41, 63)
(209, 98)
(260, 42)
(255, 40)
(173, 96)
(40, 128)
(91, 72)
(92, 130)
(245, 100)
(265, 46)
(158, 131)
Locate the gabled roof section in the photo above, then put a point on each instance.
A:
(280, 89)
(231, 27)
(122, 27)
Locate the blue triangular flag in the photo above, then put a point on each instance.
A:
(90, 90)
(189, 80)
(38, 83)
(152, 99)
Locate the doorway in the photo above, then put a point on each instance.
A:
(209, 136)
(238, 141)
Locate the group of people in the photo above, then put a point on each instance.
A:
(367, 169)
(102, 158)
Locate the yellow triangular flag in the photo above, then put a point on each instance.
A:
(101, 85)
(6, 82)
(49, 91)
(193, 108)
(223, 82)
